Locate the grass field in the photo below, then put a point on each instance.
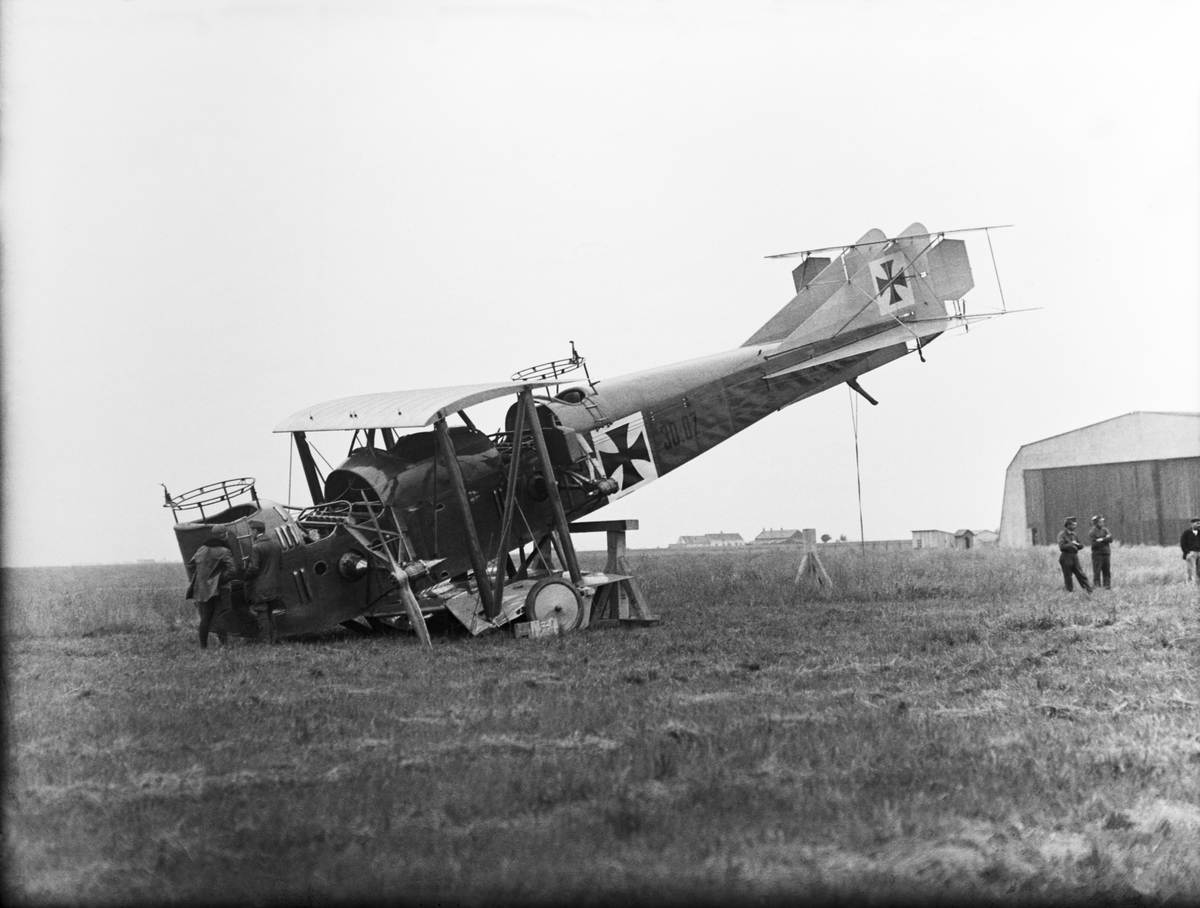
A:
(943, 726)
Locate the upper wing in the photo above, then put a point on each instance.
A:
(397, 409)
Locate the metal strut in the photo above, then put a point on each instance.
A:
(560, 517)
(510, 500)
(402, 576)
(478, 559)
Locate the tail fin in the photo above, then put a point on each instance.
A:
(876, 280)
(817, 279)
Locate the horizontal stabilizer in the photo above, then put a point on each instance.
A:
(912, 333)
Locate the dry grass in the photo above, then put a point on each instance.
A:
(944, 725)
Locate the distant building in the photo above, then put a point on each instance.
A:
(726, 539)
(708, 541)
(932, 539)
(871, 545)
(959, 539)
(1140, 470)
(779, 537)
(924, 539)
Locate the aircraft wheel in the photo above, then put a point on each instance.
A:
(554, 597)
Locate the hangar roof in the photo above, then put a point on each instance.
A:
(1140, 435)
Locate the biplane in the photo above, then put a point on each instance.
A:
(428, 515)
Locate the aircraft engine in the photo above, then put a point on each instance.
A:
(353, 565)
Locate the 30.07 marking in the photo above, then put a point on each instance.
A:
(675, 432)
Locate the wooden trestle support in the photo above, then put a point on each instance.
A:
(620, 603)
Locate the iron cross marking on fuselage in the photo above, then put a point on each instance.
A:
(624, 456)
(888, 282)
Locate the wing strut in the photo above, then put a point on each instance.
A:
(478, 560)
(560, 516)
(310, 468)
(510, 500)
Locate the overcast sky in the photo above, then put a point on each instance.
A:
(218, 213)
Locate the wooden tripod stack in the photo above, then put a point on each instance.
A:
(811, 568)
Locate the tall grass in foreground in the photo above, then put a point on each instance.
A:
(939, 725)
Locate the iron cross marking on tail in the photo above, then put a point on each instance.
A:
(625, 456)
(891, 282)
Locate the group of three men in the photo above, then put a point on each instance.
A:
(1101, 541)
(210, 581)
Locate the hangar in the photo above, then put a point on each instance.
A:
(1140, 470)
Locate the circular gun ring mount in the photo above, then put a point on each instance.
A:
(213, 493)
(551, 370)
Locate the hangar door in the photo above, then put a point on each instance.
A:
(1147, 502)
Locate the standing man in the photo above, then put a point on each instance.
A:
(264, 568)
(1101, 540)
(1190, 543)
(1068, 556)
(210, 577)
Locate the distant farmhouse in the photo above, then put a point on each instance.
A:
(708, 541)
(1140, 470)
(779, 537)
(921, 539)
(932, 539)
(871, 545)
(959, 539)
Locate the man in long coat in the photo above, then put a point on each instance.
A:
(264, 572)
(210, 578)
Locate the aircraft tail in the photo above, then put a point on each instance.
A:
(874, 283)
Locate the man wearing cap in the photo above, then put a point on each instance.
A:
(1190, 543)
(210, 577)
(264, 568)
(1068, 556)
(1101, 540)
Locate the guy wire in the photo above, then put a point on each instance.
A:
(862, 536)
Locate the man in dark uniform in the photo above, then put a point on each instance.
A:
(264, 570)
(1101, 540)
(210, 576)
(1068, 556)
(1190, 543)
